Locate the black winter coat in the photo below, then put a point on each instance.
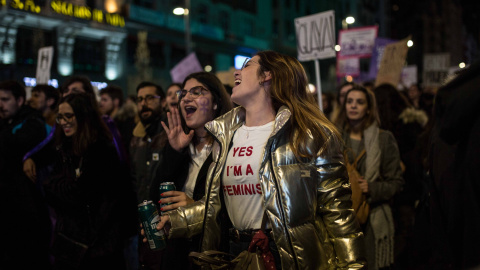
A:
(94, 201)
(174, 168)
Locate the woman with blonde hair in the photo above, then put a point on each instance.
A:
(275, 156)
(380, 168)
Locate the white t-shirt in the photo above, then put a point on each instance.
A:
(241, 182)
(198, 158)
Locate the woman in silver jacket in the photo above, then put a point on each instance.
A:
(301, 179)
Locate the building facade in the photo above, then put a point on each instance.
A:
(123, 42)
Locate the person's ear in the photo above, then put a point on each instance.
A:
(20, 101)
(116, 102)
(268, 76)
(50, 102)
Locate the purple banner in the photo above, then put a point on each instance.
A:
(377, 54)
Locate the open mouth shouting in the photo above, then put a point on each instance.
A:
(189, 110)
(237, 82)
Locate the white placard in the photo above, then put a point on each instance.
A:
(357, 42)
(316, 36)
(435, 68)
(44, 64)
(187, 66)
(408, 77)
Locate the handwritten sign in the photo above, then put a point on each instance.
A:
(187, 66)
(316, 36)
(44, 64)
(357, 42)
(377, 53)
(435, 68)
(392, 63)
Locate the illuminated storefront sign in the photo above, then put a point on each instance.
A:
(28, 5)
(87, 13)
(71, 10)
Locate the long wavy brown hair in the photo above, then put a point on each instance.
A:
(371, 116)
(90, 126)
(289, 88)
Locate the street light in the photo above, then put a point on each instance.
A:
(186, 18)
(179, 11)
(347, 21)
(350, 19)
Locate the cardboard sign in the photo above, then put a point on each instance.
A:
(187, 66)
(392, 63)
(227, 77)
(44, 64)
(377, 53)
(435, 68)
(316, 36)
(357, 42)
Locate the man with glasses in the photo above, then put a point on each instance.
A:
(21, 128)
(146, 149)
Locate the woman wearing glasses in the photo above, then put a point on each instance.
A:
(276, 155)
(93, 201)
(187, 155)
(171, 99)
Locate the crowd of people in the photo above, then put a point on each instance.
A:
(75, 164)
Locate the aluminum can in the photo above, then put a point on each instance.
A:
(164, 187)
(149, 217)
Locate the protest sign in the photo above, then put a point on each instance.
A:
(377, 53)
(227, 77)
(357, 42)
(44, 65)
(348, 66)
(185, 67)
(316, 40)
(435, 68)
(316, 36)
(392, 63)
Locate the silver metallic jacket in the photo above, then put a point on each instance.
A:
(307, 203)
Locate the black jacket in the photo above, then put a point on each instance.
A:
(174, 168)
(21, 203)
(93, 198)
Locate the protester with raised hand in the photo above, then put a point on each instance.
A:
(276, 155)
(188, 154)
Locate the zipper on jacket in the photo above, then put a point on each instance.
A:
(211, 180)
(270, 143)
